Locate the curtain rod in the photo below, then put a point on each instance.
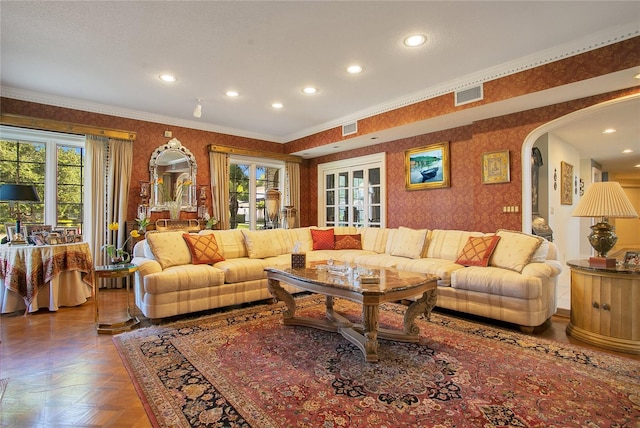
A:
(71, 128)
(254, 153)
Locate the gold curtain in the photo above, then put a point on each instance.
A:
(292, 171)
(219, 166)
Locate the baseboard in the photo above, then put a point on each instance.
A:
(561, 312)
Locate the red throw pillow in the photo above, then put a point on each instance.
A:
(204, 249)
(348, 242)
(322, 239)
(478, 250)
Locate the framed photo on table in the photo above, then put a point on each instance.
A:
(495, 167)
(632, 258)
(11, 230)
(427, 167)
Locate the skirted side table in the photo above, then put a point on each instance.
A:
(115, 271)
(605, 306)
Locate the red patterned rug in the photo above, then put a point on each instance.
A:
(245, 369)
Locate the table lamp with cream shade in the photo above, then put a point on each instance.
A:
(604, 199)
(14, 194)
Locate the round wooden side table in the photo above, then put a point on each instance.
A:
(605, 306)
(115, 271)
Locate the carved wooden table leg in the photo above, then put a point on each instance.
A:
(283, 295)
(370, 317)
(424, 305)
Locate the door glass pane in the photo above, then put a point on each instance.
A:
(330, 215)
(331, 197)
(374, 195)
(239, 213)
(374, 176)
(343, 197)
(343, 179)
(331, 181)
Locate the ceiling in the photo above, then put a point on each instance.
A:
(106, 57)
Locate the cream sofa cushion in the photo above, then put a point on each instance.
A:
(374, 238)
(267, 243)
(169, 248)
(409, 242)
(497, 281)
(448, 244)
(514, 250)
(230, 242)
(183, 277)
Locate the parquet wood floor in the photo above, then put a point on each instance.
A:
(60, 373)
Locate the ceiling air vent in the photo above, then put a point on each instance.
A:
(469, 95)
(350, 128)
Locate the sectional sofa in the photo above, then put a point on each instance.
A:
(507, 275)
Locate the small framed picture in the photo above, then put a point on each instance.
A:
(495, 167)
(54, 238)
(38, 238)
(632, 258)
(11, 230)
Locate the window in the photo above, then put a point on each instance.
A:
(249, 179)
(352, 192)
(54, 163)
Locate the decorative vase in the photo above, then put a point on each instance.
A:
(174, 210)
(120, 257)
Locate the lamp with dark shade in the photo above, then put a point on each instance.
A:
(15, 193)
(605, 199)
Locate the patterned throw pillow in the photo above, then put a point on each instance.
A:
(323, 239)
(204, 249)
(478, 250)
(348, 242)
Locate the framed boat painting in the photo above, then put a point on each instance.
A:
(427, 167)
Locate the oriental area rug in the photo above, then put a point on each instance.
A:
(244, 368)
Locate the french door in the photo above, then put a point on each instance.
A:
(352, 192)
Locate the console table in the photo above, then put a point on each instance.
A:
(605, 306)
(26, 271)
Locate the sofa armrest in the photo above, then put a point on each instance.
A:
(548, 269)
(146, 266)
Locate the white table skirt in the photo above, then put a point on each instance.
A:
(66, 289)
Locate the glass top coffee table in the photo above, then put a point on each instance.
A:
(376, 286)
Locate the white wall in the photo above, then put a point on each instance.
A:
(566, 229)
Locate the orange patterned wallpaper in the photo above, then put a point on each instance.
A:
(467, 204)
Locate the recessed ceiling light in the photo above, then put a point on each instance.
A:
(627, 151)
(609, 131)
(169, 78)
(232, 93)
(309, 90)
(354, 69)
(415, 40)
(637, 76)
(637, 166)
(277, 105)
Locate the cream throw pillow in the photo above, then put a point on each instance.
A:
(263, 243)
(169, 248)
(409, 242)
(514, 250)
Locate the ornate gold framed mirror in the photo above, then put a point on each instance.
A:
(172, 170)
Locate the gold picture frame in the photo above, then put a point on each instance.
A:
(427, 167)
(495, 167)
(566, 183)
